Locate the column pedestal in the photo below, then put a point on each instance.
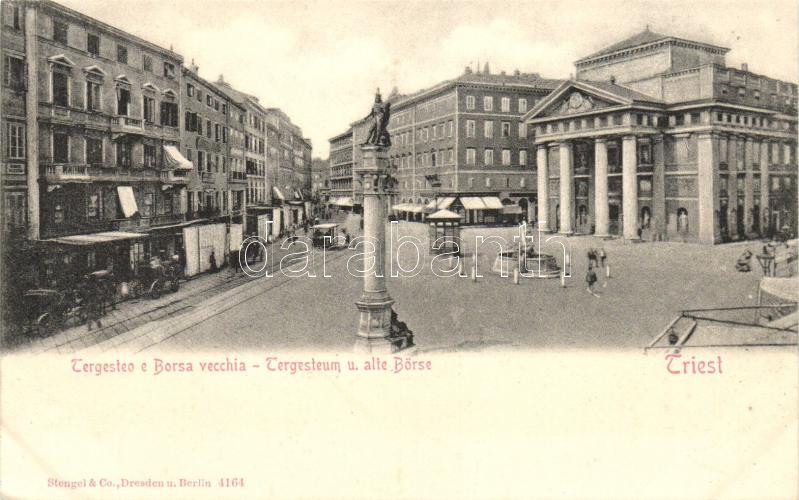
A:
(377, 333)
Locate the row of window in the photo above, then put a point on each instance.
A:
(62, 143)
(503, 182)
(210, 101)
(504, 104)
(488, 157)
(743, 92)
(93, 41)
(213, 162)
(488, 129)
(215, 131)
(61, 96)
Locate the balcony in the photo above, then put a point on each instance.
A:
(66, 172)
(174, 176)
(126, 124)
(237, 177)
(145, 222)
(207, 176)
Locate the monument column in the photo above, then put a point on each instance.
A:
(542, 178)
(601, 187)
(374, 334)
(629, 187)
(566, 188)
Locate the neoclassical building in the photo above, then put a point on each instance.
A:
(657, 138)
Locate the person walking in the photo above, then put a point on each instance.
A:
(590, 279)
(212, 258)
(592, 260)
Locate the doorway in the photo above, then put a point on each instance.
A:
(614, 218)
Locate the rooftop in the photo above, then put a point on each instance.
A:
(645, 37)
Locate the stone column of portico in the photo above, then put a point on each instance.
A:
(629, 187)
(705, 189)
(659, 186)
(566, 188)
(601, 187)
(732, 187)
(543, 187)
(765, 185)
(748, 186)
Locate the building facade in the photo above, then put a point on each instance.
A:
(205, 137)
(340, 178)
(463, 143)
(658, 139)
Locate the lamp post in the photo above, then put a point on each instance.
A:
(379, 332)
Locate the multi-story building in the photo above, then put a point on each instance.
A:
(462, 142)
(254, 129)
(102, 115)
(658, 138)
(320, 174)
(14, 155)
(340, 177)
(218, 182)
(292, 166)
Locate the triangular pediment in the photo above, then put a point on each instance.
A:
(150, 86)
(95, 72)
(122, 79)
(170, 93)
(573, 97)
(61, 59)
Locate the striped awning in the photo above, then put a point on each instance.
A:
(492, 203)
(443, 203)
(472, 203)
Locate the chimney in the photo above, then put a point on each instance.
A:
(221, 79)
(744, 67)
(193, 67)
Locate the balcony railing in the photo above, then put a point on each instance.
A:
(174, 176)
(237, 176)
(207, 176)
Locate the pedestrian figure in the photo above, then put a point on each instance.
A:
(590, 279)
(744, 264)
(592, 260)
(213, 262)
(234, 261)
(602, 257)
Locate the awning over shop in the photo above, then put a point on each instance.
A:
(278, 194)
(472, 203)
(444, 214)
(492, 203)
(127, 200)
(344, 201)
(176, 160)
(443, 203)
(95, 238)
(512, 209)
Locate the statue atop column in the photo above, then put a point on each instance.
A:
(378, 133)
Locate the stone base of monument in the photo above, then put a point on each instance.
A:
(379, 329)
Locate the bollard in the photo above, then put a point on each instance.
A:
(474, 271)
(563, 279)
(515, 276)
(460, 267)
(607, 270)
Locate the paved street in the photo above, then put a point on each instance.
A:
(135, 313)
(649, 284)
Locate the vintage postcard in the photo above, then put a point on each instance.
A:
(399, 249)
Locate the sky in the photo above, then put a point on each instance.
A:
(322, 61)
